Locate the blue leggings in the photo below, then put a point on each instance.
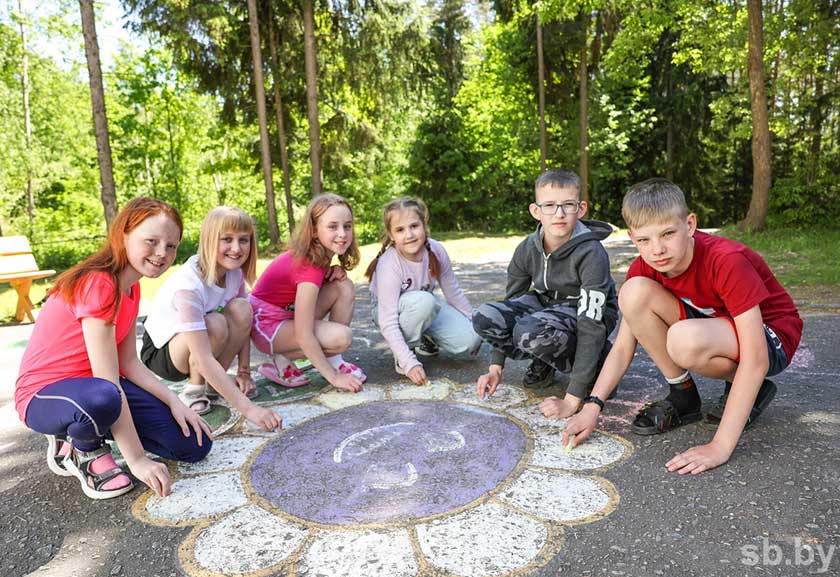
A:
(85, 408)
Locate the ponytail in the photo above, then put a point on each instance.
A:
(386, 244)
(434, 265)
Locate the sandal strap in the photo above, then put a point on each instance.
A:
(661, 413)
(83, 461)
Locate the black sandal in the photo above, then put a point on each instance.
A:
(661, 416)
(765, 394)
(78, 463)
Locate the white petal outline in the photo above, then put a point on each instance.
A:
(362, 553)
(505, 396)
(530, 415)
(487, 540)
(598, 452)
(437, 389)
(562, 497)
(200, 497)
(247, 540)
(227, 453)
(293, 414)
(335, 399)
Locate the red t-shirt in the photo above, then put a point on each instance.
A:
(278, 284)
(725, 279)
(56, 349)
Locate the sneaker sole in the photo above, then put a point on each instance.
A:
(53, 458)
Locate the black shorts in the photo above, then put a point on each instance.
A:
(775, 351)
(159, 361)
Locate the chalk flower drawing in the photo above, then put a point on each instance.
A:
(395, 481)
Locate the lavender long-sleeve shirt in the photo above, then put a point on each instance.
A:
(395, 276)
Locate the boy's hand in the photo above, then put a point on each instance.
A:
(581, 425)
(554, 408)
(418, 375)
(487, 383)
(700, 458)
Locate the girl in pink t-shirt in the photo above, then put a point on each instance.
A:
(403, 277)
(80, 379)
(299, 289)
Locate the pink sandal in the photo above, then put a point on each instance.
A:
(351, 369)
(290, 377)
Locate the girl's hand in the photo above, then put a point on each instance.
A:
(418, 375)
(487, 383)
(245, 383)
(336, 273)
(188, 419)
(265, 419)
(348, 382)
(153, 474)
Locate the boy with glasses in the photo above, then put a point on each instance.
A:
(698, 303)
(560, 304)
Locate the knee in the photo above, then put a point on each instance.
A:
(346, 290)
(239, 315)
(420, 303)
(340, 338)
(524, 332)
(104, 398)
(217, 328)
(187, 449)
(467, 344)
(683, 345)
(635, 295)
(486, 319)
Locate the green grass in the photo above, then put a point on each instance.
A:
(798, 257)
(804, 260)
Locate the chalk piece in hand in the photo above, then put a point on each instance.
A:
(569, 445)
(486, 396)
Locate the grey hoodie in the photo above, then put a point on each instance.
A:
(576, 275)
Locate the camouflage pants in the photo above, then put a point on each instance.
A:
(522, 328)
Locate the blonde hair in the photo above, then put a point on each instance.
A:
(218, 221)
(305, 244)
(398, 205)
(653, 201)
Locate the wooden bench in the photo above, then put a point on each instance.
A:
(18, 267)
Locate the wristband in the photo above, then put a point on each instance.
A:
(594, 399)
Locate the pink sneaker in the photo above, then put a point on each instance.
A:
(351, 369)
(290, 376)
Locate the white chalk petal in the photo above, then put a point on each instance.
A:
(363, 553)
(340, 399)
(504, 397)
(557, 496)
(534, 418)
(597, 451)
(487, 540)
(247, 540)
(227, 453)
(199, 497)
(435, 390)
(292, 415)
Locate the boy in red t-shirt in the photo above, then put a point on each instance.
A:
(698, 303)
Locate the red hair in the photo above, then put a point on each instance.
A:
(111, 258)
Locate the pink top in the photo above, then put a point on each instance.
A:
(726, 278)
(56, 349)
(278, 284)
(395, 276)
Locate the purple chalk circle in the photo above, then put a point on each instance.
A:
(387, 462)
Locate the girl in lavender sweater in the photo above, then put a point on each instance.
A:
(403, 277)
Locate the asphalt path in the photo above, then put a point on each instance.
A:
(773, 509)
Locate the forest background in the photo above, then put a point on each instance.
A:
(440, 99)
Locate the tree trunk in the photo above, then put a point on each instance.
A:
(100, 118)
(312, 95)
(259, 94)
(541, 94)
(27, 122)
(584, 113)
(281, 129)
(757, 213)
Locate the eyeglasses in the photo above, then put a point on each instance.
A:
(567, 208)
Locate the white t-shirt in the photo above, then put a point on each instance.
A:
(184, 299)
